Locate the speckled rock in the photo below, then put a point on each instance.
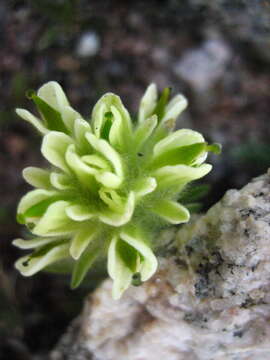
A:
(210, 299)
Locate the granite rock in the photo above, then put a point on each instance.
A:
(209, 300)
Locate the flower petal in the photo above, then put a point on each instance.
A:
(37, 177)
(178, 175)
(177, 139)
(111, 198)
(54, 147)
(120, 130)
(118, 219)
(83, 264)
(33, 243)
(31, 265)
(79, 212)
(53, 94)
(108, 179)
(69, 117)
(111, 119)
(118, 270)
(144, 131)
(172, 212)
(55, 221)
(84, 173)
(33, 198)
(149, 262)
(81, 127)
(61, 181)
(174, 108)
(186, 155)
(145, 186)
(37, 123)
(108, 152)
(148, 103)
(96, 161)
(81, 240)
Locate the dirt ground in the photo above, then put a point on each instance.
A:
(215, 52)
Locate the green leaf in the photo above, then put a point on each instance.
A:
(54, 147)
(38, 210)
(32, 198)
(64, 266)
(172, 212)
(148, 103)
(111, 120)
(144, 131)
(109, 153)
(82, 239)
(174, 108)
(182, 155)
(162, 102)
(52, 117)
(194, 193)
(144, 186)
(122, 216)
(84, 173)
(82, 266)
(128, 254)
(30, 265)
(177, 176)
(34, 243)
(107, 125)
(182, 137)
(55, 222)
(37, 177)
(194, 207)
(33, 120)
(147, 264)
(118, 270)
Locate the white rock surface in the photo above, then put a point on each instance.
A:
(210, 299)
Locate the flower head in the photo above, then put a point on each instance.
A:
(111, 185)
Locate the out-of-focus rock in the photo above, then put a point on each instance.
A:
(88, 44)
(245, 21)
(209, 300)
(201, 67)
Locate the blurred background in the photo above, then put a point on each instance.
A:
(216, 52)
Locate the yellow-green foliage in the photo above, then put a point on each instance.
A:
(111, 185)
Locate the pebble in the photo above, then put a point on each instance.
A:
(88, 44)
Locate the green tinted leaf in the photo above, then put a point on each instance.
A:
(162, 102)
(172, 211)
(194, 207)
(30, 265)
(128, 254)
(46, 248)
(64, 266)
(39, 209)
(107, 125)
(20, 219)
(194, 193)
(52, 117)
(183, 155)
(83, 265)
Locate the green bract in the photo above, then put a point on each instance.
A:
(111, 186)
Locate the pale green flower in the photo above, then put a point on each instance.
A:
(111, 186)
